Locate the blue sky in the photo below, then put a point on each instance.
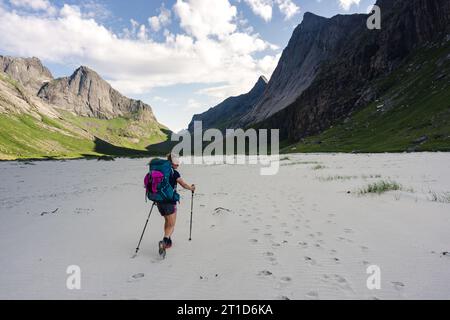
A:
(180, 56)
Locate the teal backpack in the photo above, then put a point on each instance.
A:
(157, 186)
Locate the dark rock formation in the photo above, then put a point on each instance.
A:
(330, 66)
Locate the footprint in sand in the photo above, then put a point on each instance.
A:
(253, 241)
(284, 281)
(265, 273)
(276, 245)
(312, 295)
(255, 230)
(304, 245)
(364, 249)
(136, 277)
(398, 285)
(310, 261)
(348, 231)
(345, 240)
(337, 281)
(268, 235)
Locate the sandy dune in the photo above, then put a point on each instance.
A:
(296, 235)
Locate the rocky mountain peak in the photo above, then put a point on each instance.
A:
(312, 20)
(260, 84)
(29, 72)
(86, 93)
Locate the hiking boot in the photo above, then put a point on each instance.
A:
(167, 243)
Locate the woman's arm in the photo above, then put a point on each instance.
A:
(185, 185)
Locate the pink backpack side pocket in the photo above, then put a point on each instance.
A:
(157, 177)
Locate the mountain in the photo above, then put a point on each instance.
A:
(313, 42)
(80, 115)
(87, 94)
(335, 68)
(28, 71)
(228, 113)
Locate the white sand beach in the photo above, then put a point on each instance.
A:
(296, 235)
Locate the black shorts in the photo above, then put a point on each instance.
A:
(167, 209)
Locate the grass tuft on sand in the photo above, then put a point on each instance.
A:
(380, 187)
(441, 197)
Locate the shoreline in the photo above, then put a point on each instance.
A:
(113, 157)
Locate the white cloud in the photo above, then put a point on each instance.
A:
(134, 63)
(288, 8)
(37, 5)
(346, 4)
(96, 10)
(264, 8)
(203, 18)
(161, 20)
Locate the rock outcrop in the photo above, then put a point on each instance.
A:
(86, 94)
(29, 72)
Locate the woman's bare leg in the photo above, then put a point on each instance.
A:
(169, 225)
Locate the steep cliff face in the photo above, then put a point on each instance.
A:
(29, 72)
(346, 79)
(314, 41)
(227, 114)
(86, 94)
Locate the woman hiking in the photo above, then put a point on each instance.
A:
(169, 209)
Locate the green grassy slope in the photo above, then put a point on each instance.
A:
(24, 136)
(413, 113)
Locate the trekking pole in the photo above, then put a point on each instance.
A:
(192, 206)
(145, 227)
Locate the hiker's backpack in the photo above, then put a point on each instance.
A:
(156, 182)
